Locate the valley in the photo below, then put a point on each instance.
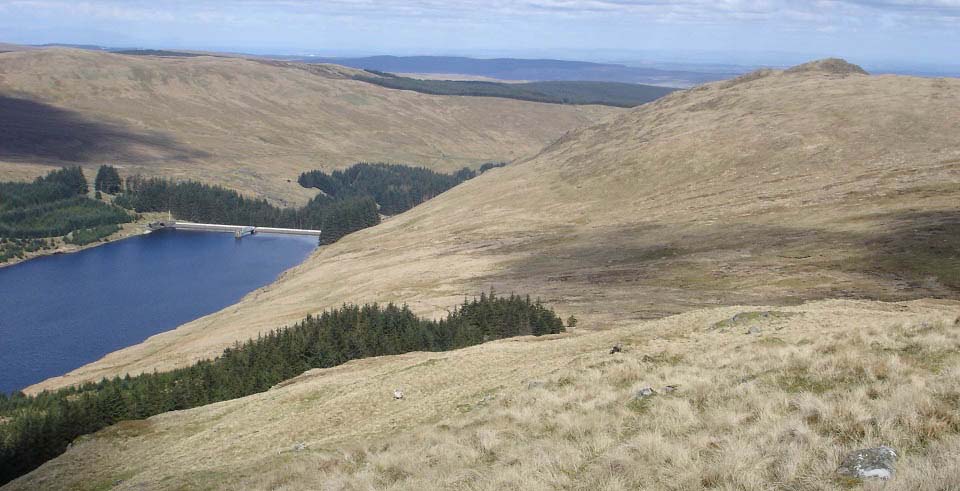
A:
(759, 275)
(244, 124)
(707, 197)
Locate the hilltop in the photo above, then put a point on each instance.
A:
(251, 125)
(774, 188)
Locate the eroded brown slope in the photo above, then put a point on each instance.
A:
(773, 188)
(247, 124)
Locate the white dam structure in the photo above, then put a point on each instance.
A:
(238, 230)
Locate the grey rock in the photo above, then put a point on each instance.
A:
(869, 463)
(669, 388)
(617, 348)
(299, 447)
(535, 384)
(398, 394)
(754, 330)
(644, 393)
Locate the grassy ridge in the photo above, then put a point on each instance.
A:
(557, 92)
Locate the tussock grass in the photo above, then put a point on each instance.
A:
(786, 429)
(748, 413)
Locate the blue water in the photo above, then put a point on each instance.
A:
(60, 312)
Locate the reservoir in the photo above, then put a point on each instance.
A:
(60, 312)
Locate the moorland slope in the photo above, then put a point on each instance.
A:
(774, 188)
(251, 125)
(773, 410)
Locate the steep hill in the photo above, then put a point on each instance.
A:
(777, 187)
(250, 125)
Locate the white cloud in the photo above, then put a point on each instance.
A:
(687, 11)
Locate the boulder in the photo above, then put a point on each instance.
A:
(398, 394)
(535, 384)
(869, 463)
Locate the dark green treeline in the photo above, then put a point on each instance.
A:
(40, 428)
(197, 202)
(396, 188)
(51, 206)
(108, 180)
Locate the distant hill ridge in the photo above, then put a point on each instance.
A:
(554, 92)
(525, 69)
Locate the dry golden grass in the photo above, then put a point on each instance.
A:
(753, 412)
(253, 125)
(774, 188)
(768, 190)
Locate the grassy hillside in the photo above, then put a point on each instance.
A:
(775, 188)
(249, 125)
(767, 192)
(775, 410)
(554, 92)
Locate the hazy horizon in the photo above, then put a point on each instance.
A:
(918, 33)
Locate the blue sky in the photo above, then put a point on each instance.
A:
(759, 31)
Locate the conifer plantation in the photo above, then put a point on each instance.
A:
(36, 429)
(197, 202)
(108, 180)
(396, 188)
(51, 206)
(351, 199)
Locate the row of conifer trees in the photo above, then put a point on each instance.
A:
(40, 428)
(197, 202)
(396, 188)
(53, 205)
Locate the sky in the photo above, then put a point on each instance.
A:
(719, 31)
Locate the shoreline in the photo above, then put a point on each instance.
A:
(57, 381)
(127, 230)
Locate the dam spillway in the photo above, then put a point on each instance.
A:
(237, 230)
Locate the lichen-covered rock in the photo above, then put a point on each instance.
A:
(867, 463)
